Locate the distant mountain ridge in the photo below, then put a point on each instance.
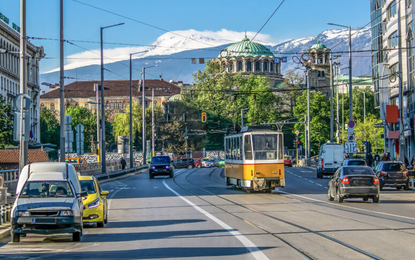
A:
(174, 54)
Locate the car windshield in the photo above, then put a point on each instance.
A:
(88, 186)
(36, 189)
(357, 162)
(265, 147)
(212, 160)
(161, 159)
(357, 171)
(287, 158)
(394, 167)
(205, 159)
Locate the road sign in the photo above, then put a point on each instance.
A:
(297, 132)
(350, 131)
(68, 120)
(351, 124)
(351, 138)
(79, 128)
(26, 102)
(26, 126)
(350, 147)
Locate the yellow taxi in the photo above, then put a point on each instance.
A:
(95, 204)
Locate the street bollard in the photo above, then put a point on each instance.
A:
(411, 182)
(8, 212)
(2, 215)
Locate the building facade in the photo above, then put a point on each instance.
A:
(117, 95)
(385, 66)
(10, 73)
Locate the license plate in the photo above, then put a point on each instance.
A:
(43, 221)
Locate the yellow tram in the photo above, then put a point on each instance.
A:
(254, 159)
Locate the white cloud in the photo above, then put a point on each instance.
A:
(166, 44)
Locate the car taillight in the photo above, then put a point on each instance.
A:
(406, 172)
(383, 173)
(322, 163)
(345, 180)
(376, 180)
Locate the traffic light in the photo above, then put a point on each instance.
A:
(298, 144)
(204, 118)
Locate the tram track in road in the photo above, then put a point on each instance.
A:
(291, 245)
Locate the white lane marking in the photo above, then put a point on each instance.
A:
(112, 196)
(300, 177)
(319, 184)
(311, 181)
(344, 206)
(256, 253)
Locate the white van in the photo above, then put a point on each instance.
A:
(330, 158)
(48, 201)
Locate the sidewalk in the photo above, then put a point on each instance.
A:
(5, 230)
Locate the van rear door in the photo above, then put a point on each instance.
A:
(338, 155)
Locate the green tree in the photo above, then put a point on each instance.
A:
(6, 124)
(319, 118)
(49, 127)
(81, 115)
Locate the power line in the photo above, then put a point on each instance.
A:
(268, 19)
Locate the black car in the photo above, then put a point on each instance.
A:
(184, 163)
(161, 165)
(354, 182)
(392, 174)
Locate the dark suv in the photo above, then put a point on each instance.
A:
(161, 165)
(392, 174)
(184, 163)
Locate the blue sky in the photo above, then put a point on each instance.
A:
(294, 19)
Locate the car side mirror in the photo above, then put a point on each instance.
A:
(104, 193)
(83, 194)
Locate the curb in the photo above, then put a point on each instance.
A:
(122, 177)
(6, 232)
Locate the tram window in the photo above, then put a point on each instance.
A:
(248, 148)
(265, 147)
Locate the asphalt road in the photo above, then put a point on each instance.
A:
(195, 216)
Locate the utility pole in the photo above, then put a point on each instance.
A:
(24, 145)
(144, 116)
(338, 117)
(331, 98)
(308, 116)
(401, 108)
(152, 123)
(97, 111)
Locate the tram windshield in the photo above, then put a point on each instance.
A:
(265, 146)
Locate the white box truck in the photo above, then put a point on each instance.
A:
(330, 158)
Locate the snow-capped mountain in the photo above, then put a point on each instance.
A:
(173, 52)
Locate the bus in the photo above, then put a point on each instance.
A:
(254, 159)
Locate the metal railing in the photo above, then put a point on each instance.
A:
(10, 175)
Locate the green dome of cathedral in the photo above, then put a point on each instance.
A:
(246, 48)
(318, 45)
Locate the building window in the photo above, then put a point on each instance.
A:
(249, 66)
(392, 9)
(257, 66)
(42, 106)
(231, 69)
(239, 65)
(52, 107)
(265, 66)
(393, 40)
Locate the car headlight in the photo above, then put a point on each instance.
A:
(21, 213)
(94, 204)
(153, 167)
(167, 166)
(66, 213)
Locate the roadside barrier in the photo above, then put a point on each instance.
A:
(5, 213)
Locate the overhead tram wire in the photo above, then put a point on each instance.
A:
(114, 43)
(268, 20)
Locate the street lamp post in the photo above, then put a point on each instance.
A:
(364, 108)
(97, 112)
(103, 159)
(242, 116)
(350, 73)
(144, 112)
(131, 108)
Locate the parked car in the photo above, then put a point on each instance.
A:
(392, 174)
(184, 163)
(198, 163)
(294, 159)
(161, 165)
(48, 201)
(330, 159)
(210, 163)
(354, 182)
(95, 203)
(354, 162)
(288, 161)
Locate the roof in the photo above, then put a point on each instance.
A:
(113, 88)
(12, 156)
(318, 45)
(85, 178)
(246, 48)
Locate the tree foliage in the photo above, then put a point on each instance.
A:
(6, 124)
(49, 127)
(81, 115)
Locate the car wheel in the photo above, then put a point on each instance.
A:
(376, 199)
(76, 237)
(199, 166)
(329, 197)
(318, 174)
(406, 187)
(171, 175)
(106, 218)
(100, 224)
(340, 198)
(15, 237)
(365, 199)
(151, 176)
(190, 166)
(399, 187)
